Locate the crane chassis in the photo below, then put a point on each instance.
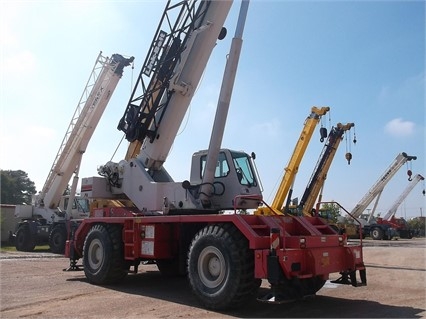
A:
(225, 256)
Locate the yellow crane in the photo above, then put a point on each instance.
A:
(293, 166)
(319, 175)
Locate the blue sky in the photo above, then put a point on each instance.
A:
(363, 59)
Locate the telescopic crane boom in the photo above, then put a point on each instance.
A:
(102, 82)
(389, 226)
(296, 158)
(392, 211)
(167, 81)
(182, 45)
(376, 190)
(316, 183)
(45, 219)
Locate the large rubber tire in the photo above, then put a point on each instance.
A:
(57, 239)
(24, 240)
(377, 233)
(406, 234)
(103, 256)
(221, 267)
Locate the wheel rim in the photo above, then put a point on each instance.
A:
(211, 267)
(96, 254)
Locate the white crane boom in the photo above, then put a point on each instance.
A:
(376, 190)
(172, 71)
(101, 84)
(392, 211)
(46, 220)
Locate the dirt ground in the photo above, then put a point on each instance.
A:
(35, 286)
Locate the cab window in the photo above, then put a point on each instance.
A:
(222, 167)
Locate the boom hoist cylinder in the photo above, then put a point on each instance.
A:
(222, 108)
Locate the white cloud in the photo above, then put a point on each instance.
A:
(18, 64)
(269, 129)
(399, 127)
(407, 91)
(36, 157)
(9, 137)
(10, 17)
(384, 94)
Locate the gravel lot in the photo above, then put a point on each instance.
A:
(35, 286)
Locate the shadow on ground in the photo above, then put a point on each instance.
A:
(177, 290)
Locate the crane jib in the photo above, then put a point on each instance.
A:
(163, 63)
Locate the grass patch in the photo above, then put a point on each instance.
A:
(10, 248)
(5, 247)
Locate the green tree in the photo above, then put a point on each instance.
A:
(330, 211)
(16, 187)
(418, 225)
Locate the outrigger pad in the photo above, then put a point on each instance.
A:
(349, 278)
(276, 298)
(73, 266)
(286, 293)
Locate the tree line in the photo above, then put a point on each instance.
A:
(16, 187)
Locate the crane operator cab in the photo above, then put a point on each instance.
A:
(234, 176)
(234, 185)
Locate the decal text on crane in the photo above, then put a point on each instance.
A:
(154, 54)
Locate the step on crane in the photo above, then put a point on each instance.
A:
(377, 231)
(183, 227)
(399, 224)
(45, 220)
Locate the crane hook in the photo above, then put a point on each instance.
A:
(409, 173)
(323, 133)
(348, 157)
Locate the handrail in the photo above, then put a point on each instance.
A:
(355, 219)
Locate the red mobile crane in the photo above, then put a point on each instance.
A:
(399, 224)
(181, 226)
(379, 231)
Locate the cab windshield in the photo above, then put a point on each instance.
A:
(82, 204)
(243, 168)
